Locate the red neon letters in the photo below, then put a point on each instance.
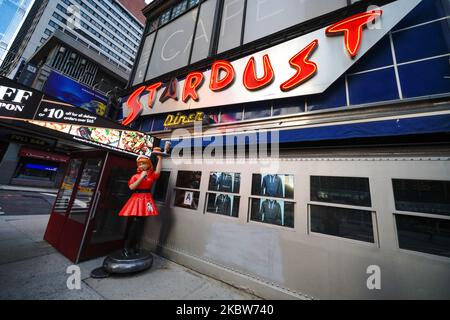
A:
(135, 106)
(251, 82)
(152, 95)
(192, 82)
(305, 68)
(217, 84)
(223, 74)
(352, 28)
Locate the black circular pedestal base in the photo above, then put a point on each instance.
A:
(99, 273)
(117, 263)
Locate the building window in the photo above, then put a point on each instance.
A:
(222, 200)
(165, 17)
(273, 185)
(343, 190)
(159, 189)
(186, 195)
(342, 222)
(224, 182)
(426, 196)
(193, 3)
(268, 204)
(423, 234)
(189, 179)
(179, 9)
(417, 230)
(223, 204)
(231, 114)
(38, 170)
(272, 211)
(339, 221)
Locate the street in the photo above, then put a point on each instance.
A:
(14, 202)
(31, 269)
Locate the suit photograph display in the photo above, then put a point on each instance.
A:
(273, 185)
(224, 182)
(270, 212)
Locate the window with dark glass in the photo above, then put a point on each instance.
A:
(426, 196)
(159, 189)
(67, 188)
(193, 3)
(185, 194)
(186, 199)
(34, 169)
(288, 106)
(257, 110)
(423, 234)
(179, 9)
(189, 179)
(165, 17)
(153, 25)
(344, 190)
(342, 222)
(231, 114)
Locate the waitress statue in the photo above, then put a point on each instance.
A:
(141, 204)
(138, 208)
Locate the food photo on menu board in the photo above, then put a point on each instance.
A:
(136, 142)
(106, 136)
(61, 127)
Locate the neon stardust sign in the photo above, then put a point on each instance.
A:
(223, 74)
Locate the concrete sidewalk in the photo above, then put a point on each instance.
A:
(31, 269)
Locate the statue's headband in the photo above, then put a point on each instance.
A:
(142, 158)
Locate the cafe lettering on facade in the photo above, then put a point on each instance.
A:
(356, 93)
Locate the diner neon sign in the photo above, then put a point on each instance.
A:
(223, 73)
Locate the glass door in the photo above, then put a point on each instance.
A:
(63, 202)
(74, 203)
(106, 230)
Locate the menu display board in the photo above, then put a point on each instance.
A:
(18, 102)
(124, 141)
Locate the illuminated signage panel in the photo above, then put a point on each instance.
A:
(302, 66)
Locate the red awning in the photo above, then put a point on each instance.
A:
(43, 155)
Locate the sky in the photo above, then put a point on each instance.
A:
(8, 10)
(12, 16)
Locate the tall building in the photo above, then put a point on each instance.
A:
(78, 52)
(106, 27)
(353, 100)
(14, 13)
